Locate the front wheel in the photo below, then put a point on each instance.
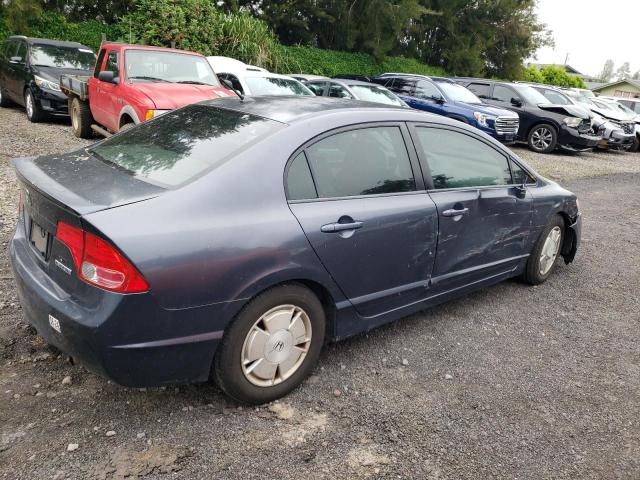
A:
(271, 346)
(636, 144)
(542, 260)
(543, 138)
(34, 111)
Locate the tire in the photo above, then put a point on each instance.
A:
(4, 100)
(34, 111)
(243, 366)
(126, 126)
(636, 145)
(543, 138)
(81, 118)
(538, 270)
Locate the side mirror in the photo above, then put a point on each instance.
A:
(227, 84)
(107, 76)
(515, 102)
(437, 98)
(16, 60)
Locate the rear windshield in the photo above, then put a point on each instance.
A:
(276, 86)
(180, 146)
(62, 57)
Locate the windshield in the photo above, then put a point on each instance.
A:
(276, 86)
(376, 94)
(182, 145)
(174, 67)
(62, 57)
(531, 95)
(580, 98)
(458, 93)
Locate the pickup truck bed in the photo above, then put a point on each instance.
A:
(77, 85)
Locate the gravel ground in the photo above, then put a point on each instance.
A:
(509, 382)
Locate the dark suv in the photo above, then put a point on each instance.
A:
(543, 125)
(444, 97)
(30, 70)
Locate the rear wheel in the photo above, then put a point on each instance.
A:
(34, 112)
(81, 118)
(543, 138)
(271, 346)
(4, 100)
(546, 251)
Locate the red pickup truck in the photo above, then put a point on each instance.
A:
(134, 83)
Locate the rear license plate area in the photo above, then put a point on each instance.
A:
(39, 239)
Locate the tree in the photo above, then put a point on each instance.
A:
(624, 71)
(20, 13)
(607, 72)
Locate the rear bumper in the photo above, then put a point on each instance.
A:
(571, 140)
(127, 338)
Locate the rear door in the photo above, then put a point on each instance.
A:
(484, 214)
(360, 199)
(16, 73)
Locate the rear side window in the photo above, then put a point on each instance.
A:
(480, 89)
(426, 89)
(112, 64)
(503, 94)
(366, 161)
(457, 160)
(182, 145)
(299, 181)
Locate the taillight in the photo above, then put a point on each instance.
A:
(100, 263)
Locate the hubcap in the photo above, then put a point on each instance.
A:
(276, 345)
(542, 138)
(550, 250)
(29, 105)
(74, 117)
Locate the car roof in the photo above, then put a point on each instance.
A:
(134, 46)
(349, 82)
(233, 66)
(46, 41)
(308, 76)
(289, 109)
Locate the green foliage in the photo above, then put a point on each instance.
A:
(552, 75)
(331, 63)
(19, 14)
(56, 27)
(199, 26)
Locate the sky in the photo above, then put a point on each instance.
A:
(591, 31)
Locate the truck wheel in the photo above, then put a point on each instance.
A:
(543, 138)
(81, 118)
(34, 112)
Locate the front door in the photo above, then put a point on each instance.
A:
(102, 94)
(17, 72)
(485, 216)
(367, 215)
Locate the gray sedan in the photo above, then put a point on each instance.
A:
(354, 89)
(230, 239)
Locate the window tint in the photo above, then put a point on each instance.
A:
(426, 89)
(10, 49)
(367, 161)
(458, 160)
(112, 64)
(403, 86)
(520, 176)
(338, 91)
(299, 181)
(503, 94)
(480, 89)
(317, 88)
(96, 70)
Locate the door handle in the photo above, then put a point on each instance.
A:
(340, 227)
(455, 213)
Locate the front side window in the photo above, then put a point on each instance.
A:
(480, 89)
(402, 86)
(112, 64)
(426, 89)
(555, 97)
(338, 91)
(520, 176)
(61, 57)
(235, 82)
(503, 94)
(22, 51)
(457, 160)
(317, 88)
(182, 145)
(366, 161)
(458, 93)
(171, 67)
(98, 66)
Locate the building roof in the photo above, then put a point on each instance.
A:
(568, 68)
(634, 83)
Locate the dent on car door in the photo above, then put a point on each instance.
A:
(484, 214)
(360, 200)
